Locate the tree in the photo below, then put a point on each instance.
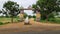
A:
(29, 16)
(46, 7)
(0, 11)
(4, 12)
(25, 15)
(34, 16)
(12, 8)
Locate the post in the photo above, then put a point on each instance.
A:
(21, 16)
(38, 16)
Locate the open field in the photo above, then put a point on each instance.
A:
(4, 19)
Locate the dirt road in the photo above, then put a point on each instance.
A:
(34, 27)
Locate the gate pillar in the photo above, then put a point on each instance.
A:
(21, 16)
(38, 16)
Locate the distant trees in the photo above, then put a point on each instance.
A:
(0, 11)
(25, 15)
(29, 16)
(46, 7)
(34, 16)
(12, 8)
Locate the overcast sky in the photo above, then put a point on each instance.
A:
(24, 3)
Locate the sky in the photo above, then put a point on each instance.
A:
(24, 3)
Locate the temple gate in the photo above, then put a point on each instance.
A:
(29, 8)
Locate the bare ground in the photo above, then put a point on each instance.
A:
(35, 26)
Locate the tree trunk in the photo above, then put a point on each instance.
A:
(12, 19)
(46, 18)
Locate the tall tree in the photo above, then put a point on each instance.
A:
(46, 7)
(0, 11)
(4, 12)
(12, 8)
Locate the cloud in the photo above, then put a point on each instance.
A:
(24, 3)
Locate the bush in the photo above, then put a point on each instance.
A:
(54, 20)
(34, 16)
(25, 15)
(57, 20)
(6, 22)
(51, 19)
(30, 16)
(1, 23)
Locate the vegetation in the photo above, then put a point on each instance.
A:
(12, 8)
(34, 16)
(25, 15)
(6, 20)
(1, 23)
(47, 8)
(30, 16)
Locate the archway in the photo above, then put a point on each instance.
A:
(29, 8)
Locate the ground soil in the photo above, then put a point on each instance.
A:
(34, 26)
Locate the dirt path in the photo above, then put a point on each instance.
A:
(35, 26)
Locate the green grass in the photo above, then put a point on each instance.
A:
(1, 23)
(56, 20)
(52, 20)
(5, 19)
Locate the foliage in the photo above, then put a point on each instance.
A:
(34, 16)
(30, 16)
(54, 20)
(1, 23)
(25, 15)
(51, 16)
(46, 7)
(12, 8)
(0, 11)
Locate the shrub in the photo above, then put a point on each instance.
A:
(6, 22)
(51, 19)
(54, 20)
(34, 16)
(30, 16)
(1, 23)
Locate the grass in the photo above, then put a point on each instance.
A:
(52, 20)
(56, 20)
(5, 19)
(1, 23)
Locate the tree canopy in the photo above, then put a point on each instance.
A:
(12, 8)
(46, 7)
